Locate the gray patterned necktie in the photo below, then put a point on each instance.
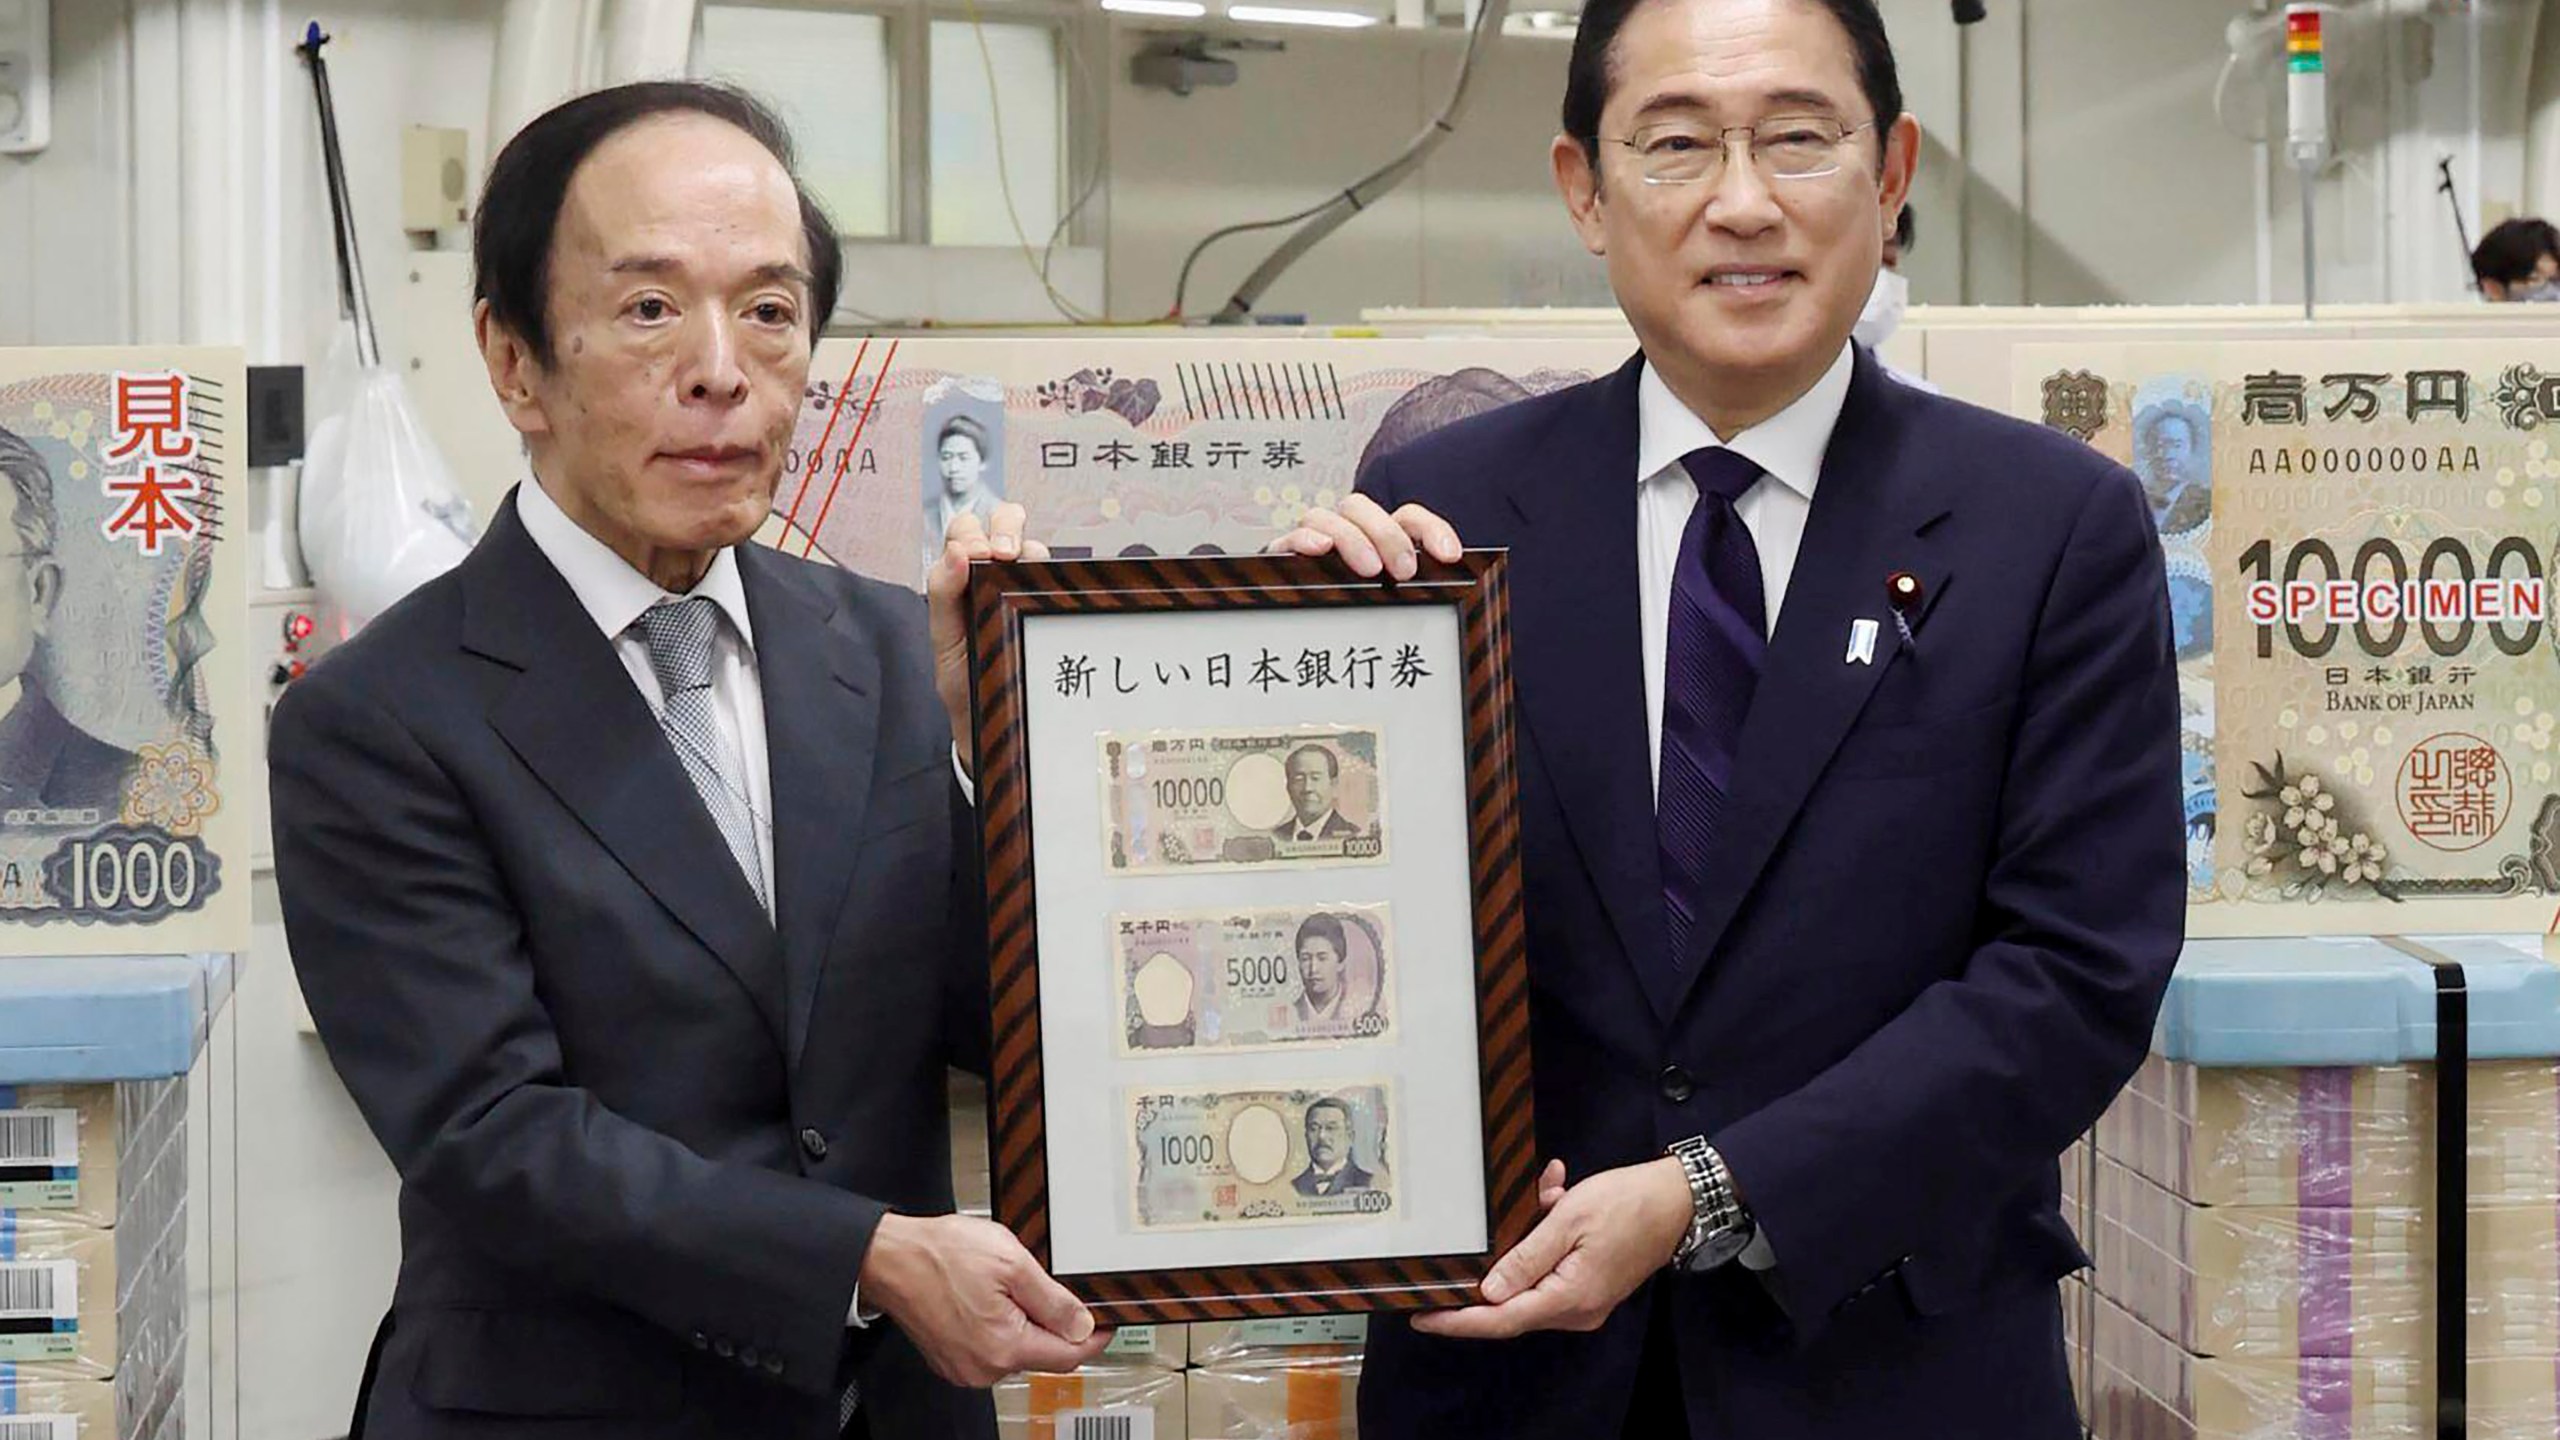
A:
(680, 636)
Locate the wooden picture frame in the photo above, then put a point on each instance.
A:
(1052, 1042)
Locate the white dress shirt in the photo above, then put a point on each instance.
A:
(1788, 447)
(614, 595)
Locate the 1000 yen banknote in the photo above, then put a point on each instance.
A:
(122, 752)
(1308, 794)
(1246, 979)
(1213, 1157)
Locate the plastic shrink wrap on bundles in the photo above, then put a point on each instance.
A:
(1295, 1397)
(2333, 1135)
(2144, 1387)
(1215, 1342)
(79, 1302)
(75, 1152)
(1099, 1402)
(2272, 1280)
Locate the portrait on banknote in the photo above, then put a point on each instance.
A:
(127, 761)
(2360, 541)
(963, 470)
(1246, 834)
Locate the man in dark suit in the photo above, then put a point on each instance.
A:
(1331, 1170)
(601, 857)
(1849, 788)
(1313, 772)
(46, 762)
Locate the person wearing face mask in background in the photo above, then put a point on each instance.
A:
(1891, 297)
(2518, 259)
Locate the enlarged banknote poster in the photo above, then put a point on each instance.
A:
(2360, 541)
(1263, 929)
(127, 740)
(1128, 447)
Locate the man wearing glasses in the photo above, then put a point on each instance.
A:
(1850, 807)
(50, 769)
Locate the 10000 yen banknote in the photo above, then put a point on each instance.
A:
(2360, 551)
(1185, 799)
(1248, 979)
(1214, 1157)
(126, 775)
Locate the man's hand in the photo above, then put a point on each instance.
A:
(1600, 1240)
(946, 590)
(974, 1301)
(1370, 540)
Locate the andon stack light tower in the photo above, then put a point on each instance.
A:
(2306, 94)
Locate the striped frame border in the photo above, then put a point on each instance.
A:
(1477, 586)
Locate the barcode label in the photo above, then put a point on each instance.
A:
(39, 1137)
(1132, 1340)
(40, 1427)
(1304, 1330)
(42, 1290)
(1095, 1425)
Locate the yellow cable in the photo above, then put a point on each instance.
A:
(1075, 314)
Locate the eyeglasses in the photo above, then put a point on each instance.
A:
(1784, 147)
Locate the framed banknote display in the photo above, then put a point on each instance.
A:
(1252, 875)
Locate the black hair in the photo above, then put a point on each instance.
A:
(1332, 763)
(967, 429)
(1589, 73)
(1905, 229)
(1331, 1102)
(1321, 926)
(2512, 250)
(520, 204)
(33, 482)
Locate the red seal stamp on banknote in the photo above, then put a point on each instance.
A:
(2454, 791)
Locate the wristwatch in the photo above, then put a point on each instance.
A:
(1719, 1228)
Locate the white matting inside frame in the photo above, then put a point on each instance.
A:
(1437, 1123)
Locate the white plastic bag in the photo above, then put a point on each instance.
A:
(380, 514)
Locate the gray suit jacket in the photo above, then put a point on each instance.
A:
(643, 1133)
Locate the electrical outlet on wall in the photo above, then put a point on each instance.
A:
(26, 77)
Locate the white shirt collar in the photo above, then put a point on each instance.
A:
(1788, 445)
(613, 593)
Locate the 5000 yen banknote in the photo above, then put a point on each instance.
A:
(1185, 799)
(124, 694)
(1250, 979)
(1215, 1157)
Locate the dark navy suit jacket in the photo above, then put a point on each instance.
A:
(1945, 902)
(644, 1134)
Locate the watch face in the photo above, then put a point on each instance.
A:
(1721, 1247)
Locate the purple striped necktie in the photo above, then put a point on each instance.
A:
(1711, 664)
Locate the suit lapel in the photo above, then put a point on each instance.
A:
(822, 725)
(579, 724)
(1866, 523)
(1577, 642)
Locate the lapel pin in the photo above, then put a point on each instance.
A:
(1862, 642)
(1904, 591)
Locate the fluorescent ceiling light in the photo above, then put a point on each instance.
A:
(1183, 9)
(1292, 15)
(1542, 23)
